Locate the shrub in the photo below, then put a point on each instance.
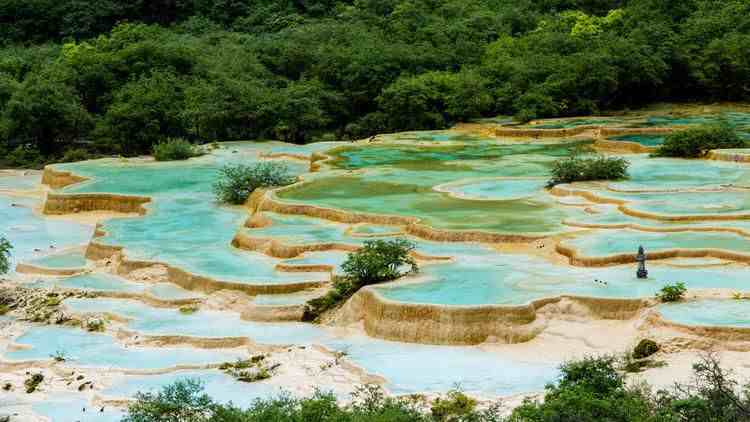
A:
(75, 154)
(453, 407)
(672, 292)
(576, 169)
(174, 149)
(645, 348)
(5, 248)
(379, 260)
(697, 142)
(25, 156)
(236, 183)
(375, 262)
(188, 309)
(181, 401)
(33, 382)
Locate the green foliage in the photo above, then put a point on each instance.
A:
(378, 261)
(577, 169)
(32, 382)
(589, 390)
(183, 401)
(236, 183)
(174, 149)
(645, 348)
(5, 248)
(672, 292)
(75, 154)
(128, 75)
(254, 369)
(25, 156)
(699, 141)
(369, 404)
(145, 112)
(453, 407)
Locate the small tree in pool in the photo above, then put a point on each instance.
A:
(378, 261)
(672, 292)
(375, 262)
(236, 183)
(5, 248)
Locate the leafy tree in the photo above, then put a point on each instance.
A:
(5, 248)
(236, 183)
(379, 260)
(672, 292)
(174, 149)
(699, 141)
(183, 401)
(46, 113)
(144, 112)
(578, 169)
(375, 262)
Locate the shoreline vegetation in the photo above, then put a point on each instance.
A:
(591, 389)
(81, 80)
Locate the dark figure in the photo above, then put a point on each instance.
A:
(641, 259)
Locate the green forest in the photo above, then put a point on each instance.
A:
(113, 77)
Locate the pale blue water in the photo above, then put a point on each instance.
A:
(492, 278)
(409, 368)
(101, 350)
(645, 140)
(69, 408)
(65, 260)
(32, 235)
(609, 242)
(709, 312)
(220, 387)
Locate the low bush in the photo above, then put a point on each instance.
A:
(578, 169)
(236, 183)
(645, 348)
(25, 157)
(32, 382)
(672, 292)
(375, 262)
(74, 155)
(380, 260)
(588, 390)
(697, 142)
(174, 149)
(5, 248)
(453, 407)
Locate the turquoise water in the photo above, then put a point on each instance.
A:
(484, 277)
(65, 260)
(32, 235)
(204, 323)
(737, 119)
(611, 242)
(291, 229)
(101, 350)
(708, 312)
(645, 140)
(20, 181)
(183, 214)
(109, 283)
(408, 368)
(69, 408)
(497, 190)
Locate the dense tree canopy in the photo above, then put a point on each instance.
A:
(122, 76)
